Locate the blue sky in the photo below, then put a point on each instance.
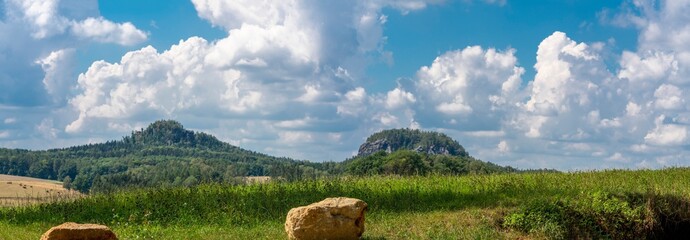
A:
(531, 84)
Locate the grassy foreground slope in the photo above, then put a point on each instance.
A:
(608, 204)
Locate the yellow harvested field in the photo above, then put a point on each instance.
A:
(257, 179)
(16, 190)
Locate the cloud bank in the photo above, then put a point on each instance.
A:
(39, 38)
(288, 80)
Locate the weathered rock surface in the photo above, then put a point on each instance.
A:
(432, 143)
(75, 231)
(375, 146)
(332, 218)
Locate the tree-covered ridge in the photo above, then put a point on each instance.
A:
(415, 152)
(408, 162)
(172, 133)
(166, 154)
(411, 139)
(163, 154)
(161, 133)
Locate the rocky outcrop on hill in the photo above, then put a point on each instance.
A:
(70, 231)
(407, 139)
(332, 218)
(378, 145)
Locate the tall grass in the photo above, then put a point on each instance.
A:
(247, 205)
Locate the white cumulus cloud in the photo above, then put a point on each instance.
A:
(398, 97)
(468, 88)
(294, 67)
(291, 74)
(39, 41)
(44, 19)
(102, 30)
(58, 68)
(666, 134)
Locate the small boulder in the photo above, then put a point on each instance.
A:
(332, 218)
(72, 231)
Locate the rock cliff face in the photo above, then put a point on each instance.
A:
(369, 148)
(408, 139)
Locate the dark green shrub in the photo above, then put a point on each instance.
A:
(604, 215)
(540, 217)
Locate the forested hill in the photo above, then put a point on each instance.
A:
(415, 152)
(433, 143)
(161, 136)
(166, 154)
(163, 154)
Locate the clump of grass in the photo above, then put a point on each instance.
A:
(600, 214)
(540, 218)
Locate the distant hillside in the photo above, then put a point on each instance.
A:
(172, 133)
(163, 154)
(167, 154)
(414, 152)
(408, 139)
(162, 134)
(16, 190)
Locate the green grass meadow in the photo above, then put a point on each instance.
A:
(613, 204)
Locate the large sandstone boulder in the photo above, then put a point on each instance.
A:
(74, 231)
(332, 218)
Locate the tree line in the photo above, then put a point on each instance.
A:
(165, 154)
